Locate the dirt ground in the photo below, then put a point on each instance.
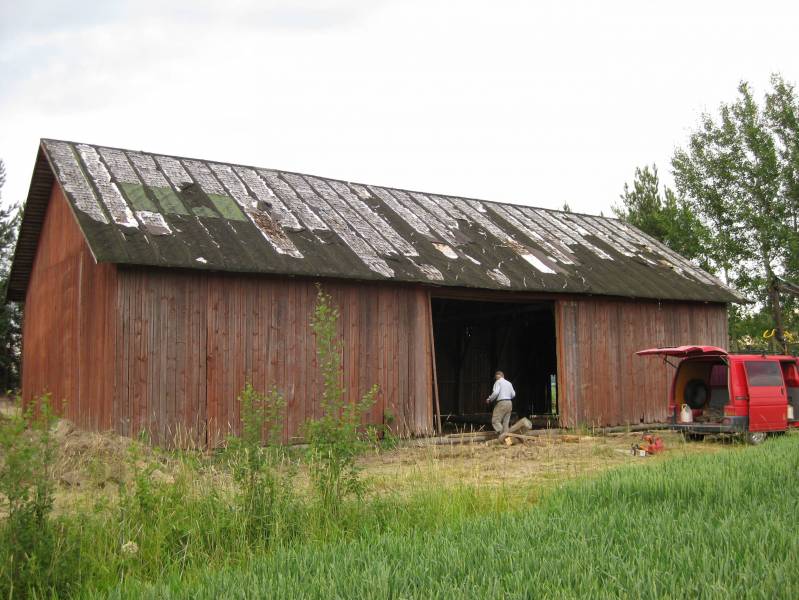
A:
(537, 463)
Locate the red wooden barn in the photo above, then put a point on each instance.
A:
(156, 286)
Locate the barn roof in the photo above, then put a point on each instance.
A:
(139, 208)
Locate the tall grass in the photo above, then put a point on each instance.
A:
(29, 541)
(705, 526)
(170, 531)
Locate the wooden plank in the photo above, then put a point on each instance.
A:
(314, 385)
(432, 361)
(212, 329)
(154, 357)
(294, 402)
(280, 334)
(394, 337)
(403, 352)
(183, 317)
(421, 402)
(301, 388)
(201, 361)
(120, 396)
(352, 348)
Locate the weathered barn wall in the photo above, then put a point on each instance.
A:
(168, 351)
(68, 324)
(600, 379)
(189, 341)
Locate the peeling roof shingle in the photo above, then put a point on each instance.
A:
(146, 209)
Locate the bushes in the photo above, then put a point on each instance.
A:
(335, 438)
(261, 468)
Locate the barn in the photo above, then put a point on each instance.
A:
(155, 286)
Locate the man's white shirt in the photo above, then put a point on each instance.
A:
(503, 390)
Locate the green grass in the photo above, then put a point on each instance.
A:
(704, 526)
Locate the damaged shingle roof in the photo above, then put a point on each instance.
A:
(148, 209)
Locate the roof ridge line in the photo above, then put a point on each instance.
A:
(347, 181)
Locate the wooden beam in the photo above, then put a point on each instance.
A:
(433, 356)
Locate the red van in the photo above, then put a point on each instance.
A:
(748, 394)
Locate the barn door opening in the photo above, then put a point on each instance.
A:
(474, 338)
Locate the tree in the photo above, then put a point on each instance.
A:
(664, 215)
(739, 175)
(10, 312)
(783, 117)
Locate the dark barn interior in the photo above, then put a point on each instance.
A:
(474, 338)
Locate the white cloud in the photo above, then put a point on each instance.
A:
(526, 102)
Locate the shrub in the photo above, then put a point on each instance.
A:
(165, 524)
(28, 541)
(260, 466)
(336, 437)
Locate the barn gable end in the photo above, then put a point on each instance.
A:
(70, 322)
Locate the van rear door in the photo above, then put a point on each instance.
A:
(767, 398)
(683, 351)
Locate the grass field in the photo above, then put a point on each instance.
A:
(694, 525)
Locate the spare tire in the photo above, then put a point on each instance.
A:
(696, 393)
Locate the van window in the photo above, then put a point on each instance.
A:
(763, 374)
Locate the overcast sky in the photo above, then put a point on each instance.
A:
(530, 102)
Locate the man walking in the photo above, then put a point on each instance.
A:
(504, 394)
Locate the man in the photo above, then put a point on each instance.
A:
(504, 394)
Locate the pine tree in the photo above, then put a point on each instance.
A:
(10, 312)
(664, 215)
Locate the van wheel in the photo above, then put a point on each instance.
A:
(755, 437)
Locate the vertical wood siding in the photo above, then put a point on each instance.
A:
(190, 342)
(160, 375)
(69, 323)
(600, 380)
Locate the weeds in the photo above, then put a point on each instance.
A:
(162, 523)
(260, 467)
(336, 438)
(28, 539)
